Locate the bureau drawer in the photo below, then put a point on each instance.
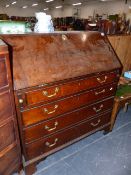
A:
(59, 107)
(55, 92)
(3, 73)
(67, 120)
(47, 144)
(7, 135)
(6, 110)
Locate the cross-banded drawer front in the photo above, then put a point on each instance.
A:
(3, 73)
(67, 120)
(7, 135)
(6, 109)
(50, 143)
(54, 92)
(56, 108)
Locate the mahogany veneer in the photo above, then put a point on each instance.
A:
(66, 120)
(64, 87)
(69, 88)
(46, 144)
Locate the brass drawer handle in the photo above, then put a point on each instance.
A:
(51, 112)
(97, 93)
(52, 95)
(51, 145)
(111, 88)
(21, 101)
(51, 129)
(102, 81)
(95, 124)
(98, 110)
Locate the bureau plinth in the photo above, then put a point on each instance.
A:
(64, 86)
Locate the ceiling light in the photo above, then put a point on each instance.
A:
(7, 5)
(49, 0)
(46, 9)
(13, 3)
(24, 7)
(79, 3)
(35, 4)
(58, 7)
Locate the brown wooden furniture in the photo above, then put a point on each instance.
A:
(10, 152)
(119, 102)
(64, 86)
(122, 46)
(122, 98)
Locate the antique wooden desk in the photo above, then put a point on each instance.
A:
(64, 86)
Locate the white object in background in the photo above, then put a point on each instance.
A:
(127, 74)
(44, 23)
(92, 24)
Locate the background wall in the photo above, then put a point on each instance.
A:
(85, 11)
(89, 9)
(12, 11)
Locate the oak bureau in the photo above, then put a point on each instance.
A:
(64, 86)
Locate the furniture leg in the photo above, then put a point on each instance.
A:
(114, 112)
(30, 169)
(106, 130)
(20, 171)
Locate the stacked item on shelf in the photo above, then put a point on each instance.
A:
(4, 17)
(63, 24)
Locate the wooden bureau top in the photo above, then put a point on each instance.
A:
(44, 58)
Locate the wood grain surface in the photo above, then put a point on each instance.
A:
(10, 151)
(45, 58)
(64, 85)
(122, 47)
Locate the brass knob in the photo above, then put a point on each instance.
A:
(21, 101)
(64, 37)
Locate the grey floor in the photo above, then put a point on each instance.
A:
(97, 154)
